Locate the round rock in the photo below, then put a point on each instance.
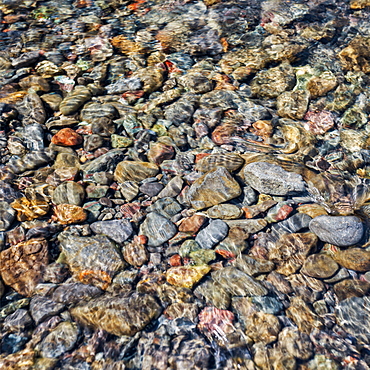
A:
(320, 266)
(69, 192)
(342, 231)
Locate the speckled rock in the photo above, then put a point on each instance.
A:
(7, 216)
(215, 232)
(293, 104)
(186, 276)
(356, 259)
(134, 171)
(69, 192)
(117, 230)
(157, 228)
(319, 266)
(272, 179)
(342, 231)
(135, 254)
(117, 315)
(213, 188)
(72, 293)
(92, 260)
(22, 266)
(225, 212)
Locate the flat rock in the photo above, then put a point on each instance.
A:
(342, 231)
(320, 266)
(118, 315)
(42, 307)
(186, 276)
(248, 226)
(356, 259)
(213, 294)
(69, 192)
(213, 188)
(157, 229)
(225, 212)
(268, 178)
(117, 230)
(215, 232)
(134, 171)
(253, 266)
(75, 292)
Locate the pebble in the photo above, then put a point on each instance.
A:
(69, 192)
(157, 229)
(356, 259)
(134, 171)
(151, 188)
(117, 230)
(7, 216)
(342, 231)
(211, 235)
(135, 254)
(253, 266)
(213, 294)
(297, 344)
(67, 137)
(268, 178)
(18, 321)
(67, 214)
(192, 224)
(73, 293)
(319, 266)
(41, 308)
(186, 276)
(74, 100)
(225, 212)
(351, 288)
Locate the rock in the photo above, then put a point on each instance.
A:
(213, 294)
(297, 344)
(215, 232)
(69, 192)
(105, 163)
(134, 171)
(17, 321)
(178, 310)
(60, 340)
(157, 228)
(151, 188)
(192, 224)
(92, 260)
(266, 304)
(135, 254)
(67, 214)
(173, 188)
(166, 207)
(355, 56)
(359, 4)
(351, 288)
(96, 191)
(248, 226)
(118, 315)
(28, 210)
(213, 188)
(291, 250)
(253, 266)
(186, 276)
(356, 259)
(225, 212)
(42, 308)
(117, 230)
(268, 178)
(159, 152)
(342, 231)
(292, 224)
(230, 161)
(74, 100)
(22, 266)
(237, 283)
(7, 216)
(73, 293)
(353, 315)
(293, 104)
(319, 266)
(202, 256)
(67, 137)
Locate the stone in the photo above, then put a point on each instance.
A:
(117, 230)
(253, 266)
(230, 161)
(166, 207)
(96, 191)
(268, 178)
(342, 231)
(355, 57)
(210, 236)
(134, 171)
(356, 259)
(157, 228)
(22, 266)
(69, 192)
(297, 344)
(129, 190)
(192, 224)
(42, 308)
(151, 188)
(225, 212)
(319, 266)
(186, 276)
(293, 104)
(28, 210)
(237, 283)
(159, 152)
(351, 288)
(292, 224)
(213, 188)
(74, 100)
(60, 340)
(202, 256)
(173, 188)
(92, 260)
(291, 251)
(7, 216)
(67, 214)
(213, 294)
(17, 321)
(248, 226)
(118, 315)
(72, 293)
(359, 4)
(267, 304)
(188, 311)
(67, 137)
(135, 254)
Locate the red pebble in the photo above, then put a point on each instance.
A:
(175, 260)
(66, 137)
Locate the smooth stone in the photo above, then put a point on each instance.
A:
(74, 100)
(129, 190)
(96, 191)
(135, 254)
(186, 276)
(105, 163)
(253, 266)
(213, 294)
(353, 315)
(118, 315)
(319, 266)
(351, 288)
(117, 230)
(134, 171)
(268, 178)
(151, 188)
(67, 137)
(67, 214)
(75, 292)
(214, 233)
(202, 256)
(342, 231)
(248, 226)
(17, 321)
(192, 224)
(157, 229)
(213, 188)
(60, 340)
(292, 224)
(7, 216)
(173, 188)
(230, 161)
(69, 192)
(237, 283)
(297, 344)
(339, 276)
(267, 304)
(167, 207)
(356, 259)
(225, 212)
(121, 141)
(42, 308)
(188, 311)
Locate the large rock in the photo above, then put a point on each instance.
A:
(213, 188)
(211, 235)
(117, 230)
(69, 192)
(268, 178)
(134, 171)
(342, 231)
(118, 315)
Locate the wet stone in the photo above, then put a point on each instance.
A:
(186, 276)
(225, 212)
(356, 259)
(167, 207)
(296, 343)
(210, 236)
(134, 171)
(151, 188)
(342, 231)
(67, 214)
(117, 230)
(192, 224)
(72, 293)
(135, 254)
(75, 100)
(18, 321)
(69, 192)
(319, 266)
(42, 308)
(7, 216)
(157, 228)
(351, 288)
(253, 266)
(213, 294)
(117, 315)
(67, 137)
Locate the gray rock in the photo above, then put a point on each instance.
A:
(166, 207)
(342, 231)
(117, 230)
(151, 188)
(268, 304)
(268, 178)
(7, 216)
(105, 163)
(17, 321)
(292, 224)
(75, 293)
(69, 192)
(41, 308)
(215, 232)
(158, 229)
